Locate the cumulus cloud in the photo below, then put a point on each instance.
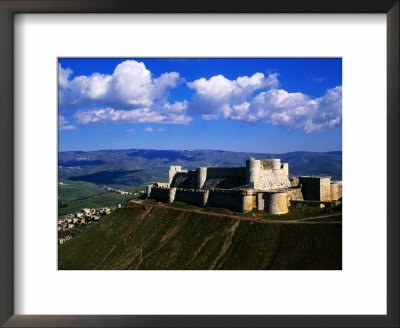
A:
(148, 129)
(130, 95)
(215, 96)
(162, 114)
(258, 99)
(63, 124)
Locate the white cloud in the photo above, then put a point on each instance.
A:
(141, 115)
(257, 99)
(63, 124)
(129, 95)
(148, 129)
(215, 96)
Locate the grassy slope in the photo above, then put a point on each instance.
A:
(119, 178)
(103, 200)
(133, 238)
(77, 189)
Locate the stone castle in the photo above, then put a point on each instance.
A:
(263, 184)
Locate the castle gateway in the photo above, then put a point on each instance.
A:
(263, 184)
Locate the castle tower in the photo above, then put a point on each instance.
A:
(285, 169)
(171, 195)
(276, 168)
(172, 171)
(201, 176)
(253, 167)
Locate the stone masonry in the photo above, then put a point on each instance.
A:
(263, 184)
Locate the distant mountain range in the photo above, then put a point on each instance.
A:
(142, 166)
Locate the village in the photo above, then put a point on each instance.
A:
(68, 225)
(119, 191)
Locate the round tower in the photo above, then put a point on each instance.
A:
(276, 168)
(278, 203)
(201, 176)
(253, 167)
(171, 195)
(148, 191)
(204, 198)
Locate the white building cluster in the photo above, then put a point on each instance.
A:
(87, 216)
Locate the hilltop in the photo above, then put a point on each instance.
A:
(143, 166)
(149, 237)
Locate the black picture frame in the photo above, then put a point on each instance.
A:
(7, 201)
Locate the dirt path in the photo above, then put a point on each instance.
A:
(312, 220)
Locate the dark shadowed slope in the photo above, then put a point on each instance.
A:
(162, 238)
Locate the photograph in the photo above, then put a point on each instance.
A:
(199, 163)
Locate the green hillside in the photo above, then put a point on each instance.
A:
(97, 201)
(70, 190)
(148, 238)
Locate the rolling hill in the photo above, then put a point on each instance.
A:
(142, 166)
(158, 238)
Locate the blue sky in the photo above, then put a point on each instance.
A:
(255, 104)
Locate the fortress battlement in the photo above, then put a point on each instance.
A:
(262, 184)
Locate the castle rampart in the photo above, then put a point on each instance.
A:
(262, 184)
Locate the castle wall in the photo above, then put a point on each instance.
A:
(325, 189)
(161, 194)
(316, 188)
(221, 172)
(191, 196)
(187, 180)
(295, 194)
(294, 182)
(336, 190)
(225, 177)
(235, 200)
